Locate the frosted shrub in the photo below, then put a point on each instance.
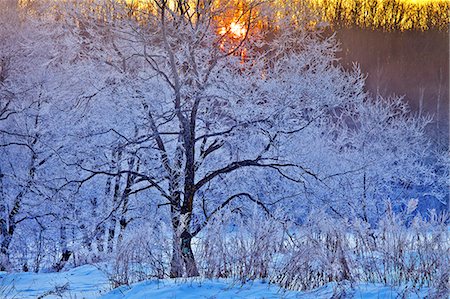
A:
(319, 255)
(404, 249)
(144, 255)
(241, 246)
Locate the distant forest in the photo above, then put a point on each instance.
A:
(388, 15)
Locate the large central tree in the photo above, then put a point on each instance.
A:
(222, 100)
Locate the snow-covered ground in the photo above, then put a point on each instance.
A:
(90, 282)
(223, 289)
(82, 282)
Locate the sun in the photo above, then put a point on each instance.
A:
(235, 30)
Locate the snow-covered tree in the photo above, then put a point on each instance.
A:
(117, 115)
(221, 102)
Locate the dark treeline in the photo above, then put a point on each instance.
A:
(387, 15)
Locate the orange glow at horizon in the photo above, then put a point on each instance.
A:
(389, 15)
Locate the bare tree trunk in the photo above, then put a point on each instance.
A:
(87, 241)
(65, 252)
(40, 253)
(188, 255)
(422, 95)
(176, 264)
(125, 200)
(182, 254)
(100, 229)
(364, 198)
(3, 224)
(123, 222)
(17, 205)
(115, 202)
(11, 227)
